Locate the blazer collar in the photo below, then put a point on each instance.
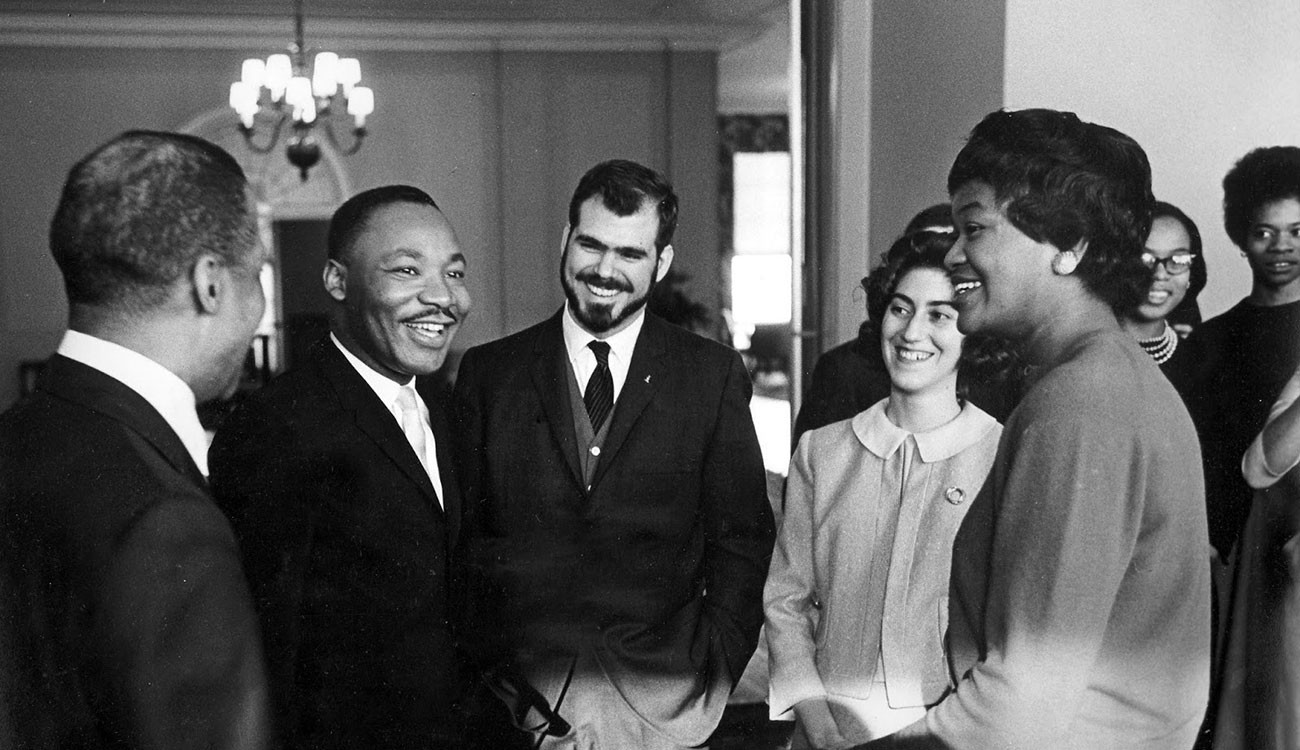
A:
(551, 381)
(645, 375)
(84, 385)
(370, 414)
(882, 437)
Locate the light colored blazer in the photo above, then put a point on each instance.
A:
(818, 596)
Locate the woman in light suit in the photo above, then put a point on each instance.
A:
(856, 598)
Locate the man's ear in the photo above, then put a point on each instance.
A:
(207, 280)
(335, 277)
(564, 240)
(664, 262)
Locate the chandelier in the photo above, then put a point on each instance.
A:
(281, 90)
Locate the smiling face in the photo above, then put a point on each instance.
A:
(1002, 278)
(1273, 248)
(610, 265)
(1168, 238)
(402, 289)
(918, 333)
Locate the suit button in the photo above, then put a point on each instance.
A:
(955, 495)
(595, 450)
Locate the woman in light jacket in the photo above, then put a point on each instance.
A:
(856, 598)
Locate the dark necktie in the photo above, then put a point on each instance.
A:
(599, 396)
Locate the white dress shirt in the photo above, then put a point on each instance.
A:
(162, 388)
(583, 360)
(388, 390)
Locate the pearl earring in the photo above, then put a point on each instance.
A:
(1065, 262)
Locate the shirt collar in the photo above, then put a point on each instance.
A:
(621, 344)
(384, 387)
(882, 437)
(160, 387)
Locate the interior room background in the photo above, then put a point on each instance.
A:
(498, 113)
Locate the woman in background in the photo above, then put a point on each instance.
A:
(856, 597)
(1244, 356)
(1173, 253)
(1257, 704)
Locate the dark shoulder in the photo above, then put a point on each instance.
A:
(685, 343)
(515, 344)
(75, 466)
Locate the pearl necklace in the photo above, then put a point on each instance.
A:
(1161, 347)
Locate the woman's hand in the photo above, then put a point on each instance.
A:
(818, 724)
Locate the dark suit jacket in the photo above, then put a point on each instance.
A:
(658, 570)
(346, 549)
(125, 606)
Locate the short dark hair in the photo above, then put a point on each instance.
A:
(1062, 181)
(351, 217)
(1199, 273)
(1262, 176)
(137, 212)
(624, 186)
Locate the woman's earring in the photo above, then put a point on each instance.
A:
(1065, 262)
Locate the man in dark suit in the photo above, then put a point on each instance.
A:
(127, 620)
(618, 531)
(340, 486)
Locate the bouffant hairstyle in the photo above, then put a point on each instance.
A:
(1263, 176)
(1064, 181)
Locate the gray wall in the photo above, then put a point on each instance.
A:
(498, 137)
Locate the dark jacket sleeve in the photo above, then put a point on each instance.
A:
(739, 530)
(262, 481)
(180, 635)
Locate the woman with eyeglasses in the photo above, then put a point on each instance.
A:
(1173, 253)
(857, 594)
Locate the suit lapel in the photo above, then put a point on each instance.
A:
(371, 415)
(84, 385)
(550, 359)
(645, 375)
(446, 470)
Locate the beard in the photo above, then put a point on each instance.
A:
(600, 317)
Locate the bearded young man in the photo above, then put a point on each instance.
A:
(617, 530)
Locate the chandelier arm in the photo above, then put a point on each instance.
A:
(358, 134)
(247, 132)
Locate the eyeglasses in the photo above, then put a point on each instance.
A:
(1175, 265)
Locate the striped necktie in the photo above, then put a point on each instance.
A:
(599, 396)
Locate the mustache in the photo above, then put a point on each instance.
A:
(450, 312)
(606, 282)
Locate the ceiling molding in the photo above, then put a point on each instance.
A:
(245, 32)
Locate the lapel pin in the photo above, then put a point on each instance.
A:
(647, 378)
(955, 495)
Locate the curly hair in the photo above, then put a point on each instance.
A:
(983, 358)
(1262, 176)
(1064, 181)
